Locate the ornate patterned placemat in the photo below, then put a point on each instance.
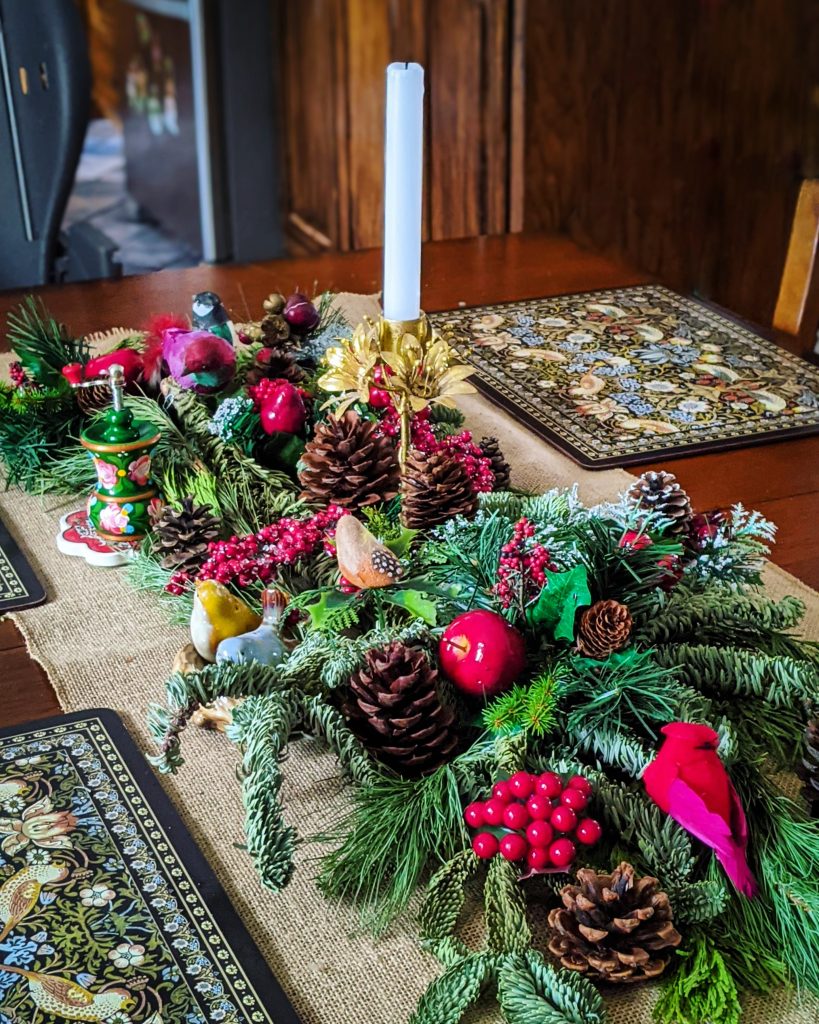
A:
(630, 375)
(19, 587)
(108, 911)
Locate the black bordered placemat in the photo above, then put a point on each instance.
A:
(631, 375)
(116, 903)
(19, 587)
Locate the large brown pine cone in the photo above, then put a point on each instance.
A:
(181, 537)
(604, 628)
(277, 363)
(659, 492)
(613, 927)
(434, 487)
(500, 467)
(347, 463)
(394, 708)
(808, 770)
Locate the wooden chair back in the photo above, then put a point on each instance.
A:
(797, 307)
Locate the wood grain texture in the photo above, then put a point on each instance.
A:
(675, 134)
(800, 280)
(781, 479)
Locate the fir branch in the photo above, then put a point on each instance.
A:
(144, 572)
(261, 726)
(43, 345)
(780, 735)
(507, 930)
(69, 471)
(444, 900)
(530, 991)
(531, 708)
(323, 720)
(451, 994)
(701, 989)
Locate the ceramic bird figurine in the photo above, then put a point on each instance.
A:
(363, 560)
(68, 1000)
(198, 360)
(217, 614)
(263, 643)
(20, 893)
(689, 782)
(208, 314)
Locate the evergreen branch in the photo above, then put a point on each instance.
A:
(443, 903)
(323, 720)
(261, 726)
(701, 989)
(451, 994)
(530, 991)
(531, 708)
(721, 616)
(698, 902)
(507, 930)
(43, 345)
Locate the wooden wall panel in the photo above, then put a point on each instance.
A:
(675, 136)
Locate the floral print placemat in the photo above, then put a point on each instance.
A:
(108, 911)
(19, 586)
(634, 374)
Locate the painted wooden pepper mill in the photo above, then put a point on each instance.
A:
(126, 498)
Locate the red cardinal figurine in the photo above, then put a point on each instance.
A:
(689, 782)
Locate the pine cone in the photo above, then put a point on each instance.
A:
(434, 488)
(347, 463)
(182, 536)
(275, 329)
(808, 770)
(394, 708)
(660, 492)
(604, 628)
(277, 363)
(500, 467)
(613, 927)
(95, 399)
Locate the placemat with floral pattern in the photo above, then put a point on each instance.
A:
(630, 375)
(108, 911)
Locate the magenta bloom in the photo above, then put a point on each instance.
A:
(198, 360)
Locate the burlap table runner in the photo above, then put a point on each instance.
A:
(103, 645)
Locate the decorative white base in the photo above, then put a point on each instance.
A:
(78, 539)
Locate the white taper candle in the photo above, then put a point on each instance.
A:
(403, 183)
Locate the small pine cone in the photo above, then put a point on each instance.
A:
(659, 492)
(394, 708)
(808, 770)
(604, 628)
(95, 399)
(500, 467)
(348, 463)
(434, 487)
(275, 329)
(613, 927)
(278, 364)
(181, 537)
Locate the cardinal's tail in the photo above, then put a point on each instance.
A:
(736, 868)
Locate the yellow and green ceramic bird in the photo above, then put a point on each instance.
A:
(70, 1001)
(218, 614)
(19, 894)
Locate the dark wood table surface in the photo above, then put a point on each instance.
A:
(779, 479)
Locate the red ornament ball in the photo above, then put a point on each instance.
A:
(574, 798)
(485, 845)
(481, 653)
(550, 785)
(537, 858)
(515, 816)
(539, 833)
(493, 811)
(513, 847)
(539, 807)
(473, 814)
(581, 783)
(588, 831)
(563, 819)
(522, 784)
(562, 853)
(501, 791)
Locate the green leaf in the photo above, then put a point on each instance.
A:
(400, 545)
(329, 602)
(556, 606)
(414, 602)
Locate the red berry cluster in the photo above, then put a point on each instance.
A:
(523, 566)
(178, 583)
(540, 820)
(460, 446)
(257, 556)
(19, 377)
(267, 387)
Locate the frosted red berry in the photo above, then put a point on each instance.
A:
(485, 845)
(513, 847)
(588, 831)
(515, 816)
(563, 819)
(473, 815)
(562, 853)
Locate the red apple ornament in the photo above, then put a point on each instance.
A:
(283, 411)
(300, 313)
(481, 653)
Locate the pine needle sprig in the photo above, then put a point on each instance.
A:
(43, 345)
(529, 708)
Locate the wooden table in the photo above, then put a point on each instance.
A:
(780, 479)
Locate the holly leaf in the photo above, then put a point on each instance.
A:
(329, 602)
(414, 602)
(400, 545)
(556, 605)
